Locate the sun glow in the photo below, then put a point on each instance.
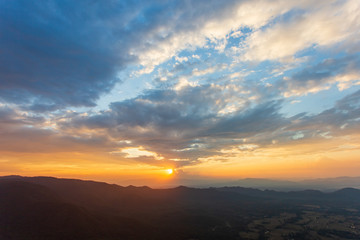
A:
(170, 171)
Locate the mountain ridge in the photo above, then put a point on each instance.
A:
(54, 208)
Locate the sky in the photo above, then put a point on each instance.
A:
(115, 90)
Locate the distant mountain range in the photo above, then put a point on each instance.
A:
(323, 184)
(52, 208)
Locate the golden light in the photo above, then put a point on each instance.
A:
(170, 171)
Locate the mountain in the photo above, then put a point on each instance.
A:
(34, 211)
(323, 184)
(263, 183)
(331, 184)
(52, 208)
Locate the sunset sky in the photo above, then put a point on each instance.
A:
(116, 90)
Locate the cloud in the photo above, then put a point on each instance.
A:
(177, 128)
(69, 53)
(183, 124)
(320, 26)
(58, 53)
(199, 24)
(65, 53)
(10, 117)
(342, 119)
(210, 97)
(344, 72)
(25, 132)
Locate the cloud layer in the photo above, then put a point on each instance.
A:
(178, 83)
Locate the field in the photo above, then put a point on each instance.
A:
(306, 222)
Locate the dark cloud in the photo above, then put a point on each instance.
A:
(319, 75)
(185, 125)
(60, 53)
(67, 53)
(262, 118)
(182, 124)
(349, 103)
(342, 119)
(24, 132)
(345, 111)
(37, 140)
(10, 117)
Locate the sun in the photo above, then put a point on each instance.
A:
(170, 171)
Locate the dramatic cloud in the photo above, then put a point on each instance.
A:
(181, 84)
(56, 54)
(186, 125)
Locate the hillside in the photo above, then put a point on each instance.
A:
(51, 208)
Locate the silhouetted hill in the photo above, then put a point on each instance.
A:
(33, 211)
(323, 184)
(351, 194)
(263, 183)
(51, 208)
